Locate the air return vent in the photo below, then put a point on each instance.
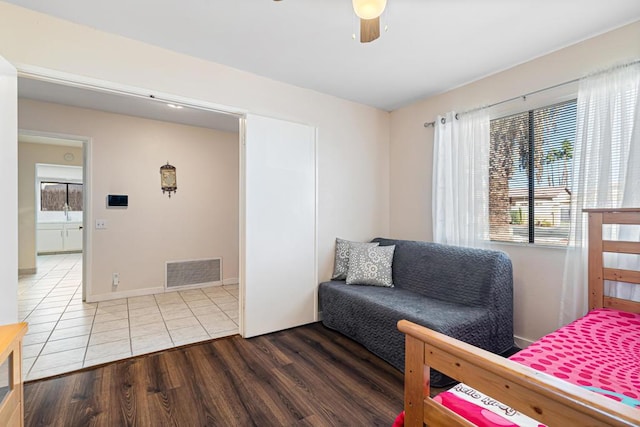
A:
(193, 273)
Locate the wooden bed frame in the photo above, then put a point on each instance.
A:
(541, 396)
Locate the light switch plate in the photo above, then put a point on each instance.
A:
(101, 224)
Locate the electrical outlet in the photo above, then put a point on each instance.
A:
(115, 279)
(101, 224)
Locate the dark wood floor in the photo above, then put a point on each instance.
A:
(304, 376)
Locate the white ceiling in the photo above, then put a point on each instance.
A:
(430, 46)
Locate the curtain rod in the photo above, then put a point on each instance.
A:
(524, 97)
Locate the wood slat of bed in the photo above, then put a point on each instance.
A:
(596, 282)
(416, 381)
(621, 304)
(617, 216)
(620, 275)
(621, 247)
(440, 416)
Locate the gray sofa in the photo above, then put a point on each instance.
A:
(461, 292)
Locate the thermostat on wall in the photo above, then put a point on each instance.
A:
(117, 200)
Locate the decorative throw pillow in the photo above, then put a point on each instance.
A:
(371, 266)
(343, 248)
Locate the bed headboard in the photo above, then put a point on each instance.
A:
(598, 273)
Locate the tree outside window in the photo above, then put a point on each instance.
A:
(529, 175)
(60, 196)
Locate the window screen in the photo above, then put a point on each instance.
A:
(530, 173)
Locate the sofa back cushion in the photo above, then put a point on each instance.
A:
(450, 273)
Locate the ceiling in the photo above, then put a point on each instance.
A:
(431, 45)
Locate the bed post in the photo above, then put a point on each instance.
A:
(595, 281)
(416, 383)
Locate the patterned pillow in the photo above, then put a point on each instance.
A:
(343, 248)
(371, 266)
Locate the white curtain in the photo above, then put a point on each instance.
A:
(606, 174)
(461, 179)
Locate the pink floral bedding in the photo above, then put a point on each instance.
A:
(600, 352)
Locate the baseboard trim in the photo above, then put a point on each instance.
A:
(125, 294)
(25, 271)
(59, 253)
(231, 281)
(522, 342)
(152, 291)
(196, 286)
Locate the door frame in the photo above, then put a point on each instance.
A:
(83, 82)
(87, 215)
(9, 176)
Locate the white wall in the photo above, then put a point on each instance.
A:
(9, 179)
(199, 221)
(28, 155)
(537, 271)
(353, 140)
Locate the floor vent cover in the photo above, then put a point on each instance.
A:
(193, 272)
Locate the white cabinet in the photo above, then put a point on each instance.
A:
(50, 238)
(72, 237)
(59, 237)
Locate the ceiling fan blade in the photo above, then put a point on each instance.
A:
(369, 29)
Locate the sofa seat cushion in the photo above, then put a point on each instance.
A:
(369, 316)
(371, 302)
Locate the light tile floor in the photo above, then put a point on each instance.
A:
(66, 334)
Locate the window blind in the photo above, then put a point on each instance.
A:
(530, 174)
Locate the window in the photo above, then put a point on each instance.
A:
(530, 173)
(54, 196)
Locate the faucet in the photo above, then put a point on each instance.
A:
(66, 211)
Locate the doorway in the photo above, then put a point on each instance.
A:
(136, 315)
(51, 197)
(51, 200)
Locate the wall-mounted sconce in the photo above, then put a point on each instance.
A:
(168, 180)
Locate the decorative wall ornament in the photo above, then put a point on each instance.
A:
(168, 180)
